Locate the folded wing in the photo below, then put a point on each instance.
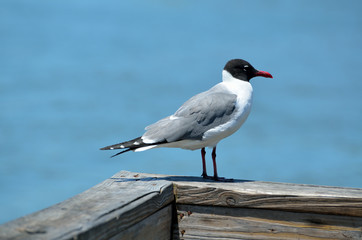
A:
(196, 116)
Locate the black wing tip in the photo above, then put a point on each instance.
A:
(123, 145)
(109, 148)
(113, 147)
(120, 152)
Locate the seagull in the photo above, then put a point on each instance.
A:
(204, 119)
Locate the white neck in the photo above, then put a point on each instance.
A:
(226, 76)
(236, 86)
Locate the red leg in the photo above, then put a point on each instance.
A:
(203, 152)
(214, 162)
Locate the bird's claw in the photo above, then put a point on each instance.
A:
(216, 178)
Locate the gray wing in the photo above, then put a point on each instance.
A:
(199, 114)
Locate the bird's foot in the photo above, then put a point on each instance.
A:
(218, 179)
(222, 179)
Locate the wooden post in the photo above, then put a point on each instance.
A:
(143, 206)
(122, 207)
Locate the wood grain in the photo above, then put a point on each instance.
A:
(277, 196)
(205, 222)
(266, 195)
(101, 212)
(155, 227)
(141, 206)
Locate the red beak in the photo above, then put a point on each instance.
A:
(263, 74)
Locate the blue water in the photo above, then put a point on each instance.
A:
(78, 75)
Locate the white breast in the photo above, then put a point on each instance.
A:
(244, 92)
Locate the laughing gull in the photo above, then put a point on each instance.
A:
(204, 119)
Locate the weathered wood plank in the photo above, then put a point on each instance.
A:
(210, 222)
(101, 212)
(266, 195)
(155, 227)
(135, 205)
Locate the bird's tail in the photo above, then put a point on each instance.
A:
(136, 144)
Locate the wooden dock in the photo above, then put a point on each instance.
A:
(148, 206)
